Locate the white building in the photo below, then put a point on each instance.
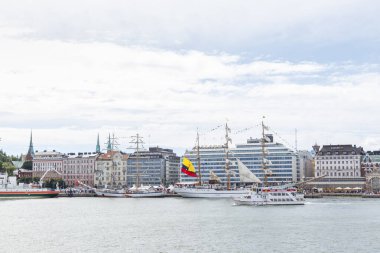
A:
(341, 166)
(111, 169)
(48, 160)
(282, 161)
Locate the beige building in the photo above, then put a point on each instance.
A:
(111, 169)
(50, 161)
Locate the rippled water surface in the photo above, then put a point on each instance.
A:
(188, 225)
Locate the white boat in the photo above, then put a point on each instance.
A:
(271, 196)
(146, 192)
(193, 190)
(110, 193)
(208, 192)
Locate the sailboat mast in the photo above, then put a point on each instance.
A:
(199, 161)
(137, 163)
(227, 161)
(137, 140)
(263, 154)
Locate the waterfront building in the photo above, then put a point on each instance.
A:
(48, 160)
(341, 166)
(111, 169)
(155, 166)
(282, 161)
(370, 167)
(79, 167)
(305, 167)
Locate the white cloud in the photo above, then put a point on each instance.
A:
(69, 91)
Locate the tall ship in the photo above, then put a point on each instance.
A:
(270, 195)
(9, 189)
(138, 190)
(213, 189)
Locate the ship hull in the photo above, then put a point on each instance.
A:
(109, 194)
(146, 195)
(28, 194)
(266, 203)
(209, 193)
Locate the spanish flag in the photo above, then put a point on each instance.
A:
(188, 168)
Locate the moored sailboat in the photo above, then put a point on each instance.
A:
(201, 190)
(139, 191)
(270, 195)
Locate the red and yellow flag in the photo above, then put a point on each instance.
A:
(188, 168)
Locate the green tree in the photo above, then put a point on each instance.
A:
(8, 167)
(28, 165)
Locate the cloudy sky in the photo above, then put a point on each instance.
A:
(72, 69)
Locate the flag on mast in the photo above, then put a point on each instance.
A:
(188, 168)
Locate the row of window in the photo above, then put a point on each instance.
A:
(337, 167)
(338, 174)
(336, 162)
(335, 157)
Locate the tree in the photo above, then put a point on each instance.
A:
(8, 167)
(28, 165)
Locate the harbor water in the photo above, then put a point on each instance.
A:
(188, 225)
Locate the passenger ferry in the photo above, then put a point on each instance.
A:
(271, 196)
(11, 190)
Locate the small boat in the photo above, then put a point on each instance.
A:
(110, 193)
(146, 192)
(271, 196)
(9, 189)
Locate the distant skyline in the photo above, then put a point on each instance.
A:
(72, 69)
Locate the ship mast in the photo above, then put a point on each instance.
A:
(263, 154)
(199, 161)
(227, 165)
(137, 139)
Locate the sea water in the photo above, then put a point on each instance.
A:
(188, 225)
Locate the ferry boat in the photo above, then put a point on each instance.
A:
(271, 196)
(9, 189)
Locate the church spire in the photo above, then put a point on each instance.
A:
(30, 153)
(109, 145)
(98, 146)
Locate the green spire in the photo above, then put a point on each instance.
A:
(109, 145)
(31, 149)
(98, 146)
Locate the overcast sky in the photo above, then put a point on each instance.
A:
(72, 69)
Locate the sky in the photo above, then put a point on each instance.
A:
(70, 70)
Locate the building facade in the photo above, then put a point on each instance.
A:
(79, 167)
(155, 166)
(340, 165)
(111, 169)
(282, 161)
(48, 161)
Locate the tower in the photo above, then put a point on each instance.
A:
(109, 145)
(30, 154)
(98, 146)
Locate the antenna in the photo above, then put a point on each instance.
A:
(295, 135)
